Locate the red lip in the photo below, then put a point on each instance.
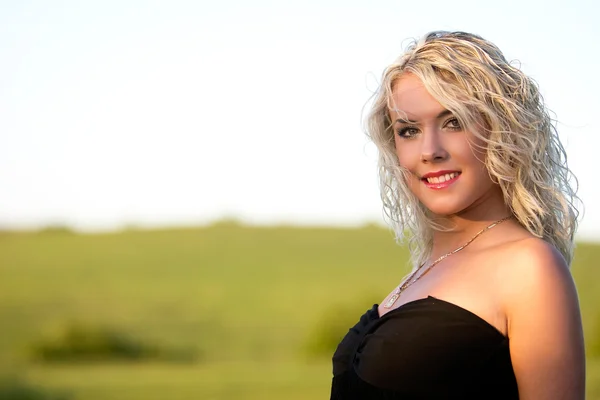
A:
(438, 173)
(440, 185)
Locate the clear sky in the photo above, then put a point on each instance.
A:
(118, 113)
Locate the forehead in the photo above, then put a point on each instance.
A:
(411, 100)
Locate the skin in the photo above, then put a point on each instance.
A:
(518, 283)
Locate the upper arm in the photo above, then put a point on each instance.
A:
(544, 325)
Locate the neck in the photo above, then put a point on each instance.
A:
(460, 228)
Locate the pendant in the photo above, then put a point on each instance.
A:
(392, 300)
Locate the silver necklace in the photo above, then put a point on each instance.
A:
(411, 279)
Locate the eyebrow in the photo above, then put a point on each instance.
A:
(442, 114)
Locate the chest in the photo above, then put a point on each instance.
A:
(427, 347)
(471, 282)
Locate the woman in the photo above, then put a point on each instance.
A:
(472, 170)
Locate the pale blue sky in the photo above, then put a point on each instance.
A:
(168, 112)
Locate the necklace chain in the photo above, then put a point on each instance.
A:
(408, 282)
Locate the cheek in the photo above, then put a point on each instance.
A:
(477, 147)
(478, 153)
(467, 152)
(405, 155)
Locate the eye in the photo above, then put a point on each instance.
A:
(453, 124)
(408, 132)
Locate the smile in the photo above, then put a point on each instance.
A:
(440, 181)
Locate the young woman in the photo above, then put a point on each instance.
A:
(473, 172)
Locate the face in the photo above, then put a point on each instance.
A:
(447, 173)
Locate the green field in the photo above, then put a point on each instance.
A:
(254, 305)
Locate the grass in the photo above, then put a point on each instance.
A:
(227, 380)
(246, 298)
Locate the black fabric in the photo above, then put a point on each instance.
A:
(424, 349)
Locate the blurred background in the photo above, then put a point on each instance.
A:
(189, 207)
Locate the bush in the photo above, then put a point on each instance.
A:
(87, 343)
(56, 229)
(15, 389)
(329, 330)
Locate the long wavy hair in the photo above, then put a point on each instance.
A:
(503, 107)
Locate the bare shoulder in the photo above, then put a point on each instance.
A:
(543, 320)
(533, 267)
(534, 251)
(536, 278)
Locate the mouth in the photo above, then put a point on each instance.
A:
(440, 181)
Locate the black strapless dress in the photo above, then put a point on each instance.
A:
(425, 349)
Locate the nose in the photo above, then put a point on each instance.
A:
(432, 149)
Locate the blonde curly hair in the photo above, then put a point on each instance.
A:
(503, 107)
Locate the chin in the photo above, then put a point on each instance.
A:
(444, 209)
